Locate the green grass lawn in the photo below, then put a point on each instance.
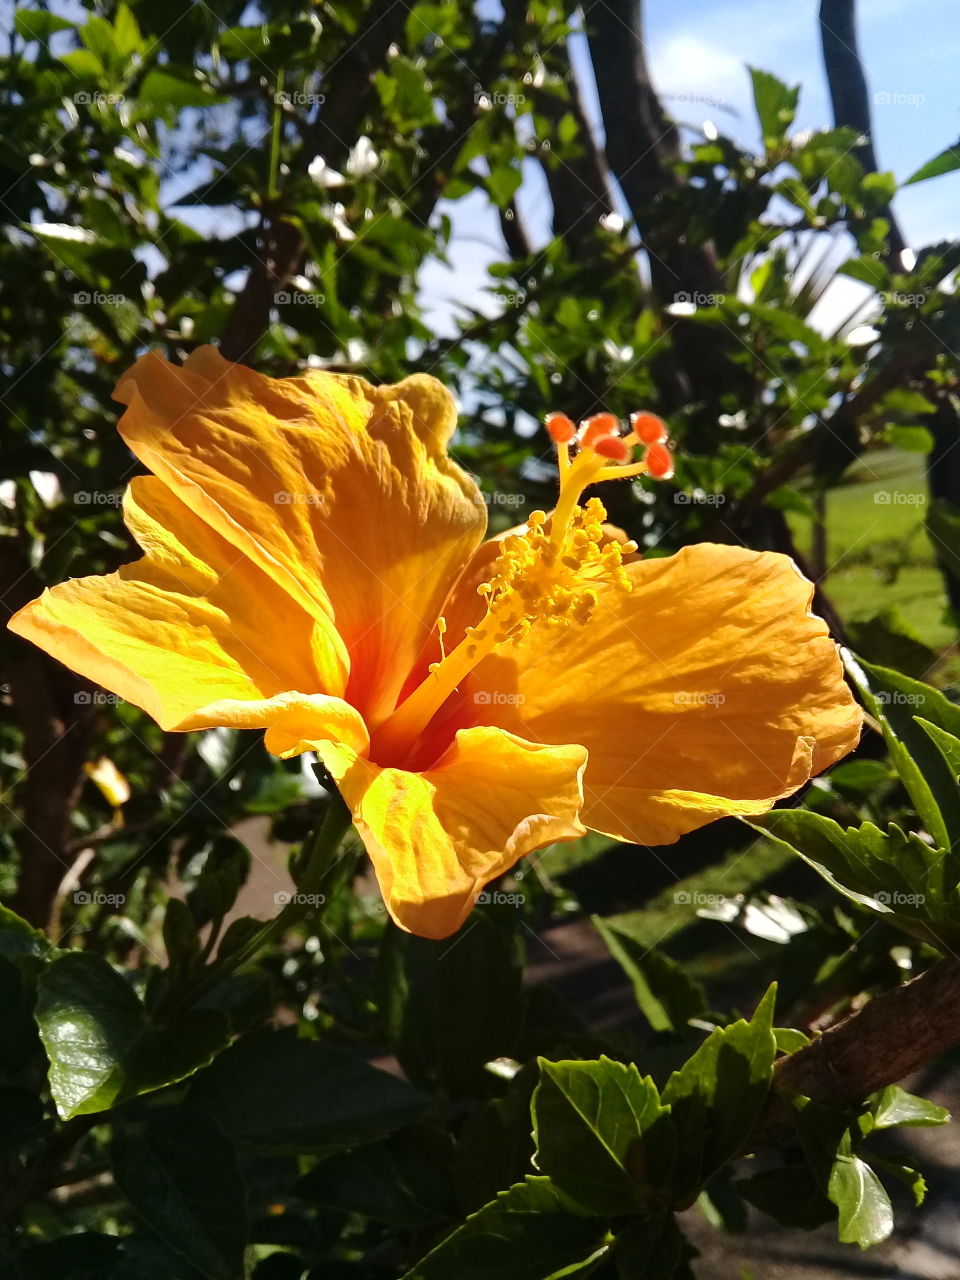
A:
(878, 553)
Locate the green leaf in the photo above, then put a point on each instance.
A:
(180, 936)
(72, 1257)
(162, 89)
(278, 1093)
(530, 1232)
(403, 1181)
(946, 162)
(910, 1177)
(37, 24)
(861, 775)
(224, 872)
(869, 271)
(789, 1040)
(649, 1249)
(717, 1094)
(776, 105)
(826, 1134)
(911, 439)
(888, 638)
(451, 1007)
(897, 700)
(495, 1145)
(180, 1175)
(790, 1196)
(502, 183)
(19, 939)
(943, 528)
(101, 1045)
(894, 1106)
(866, 1215)
(668, 997)
(588, 1119)
(894, 873)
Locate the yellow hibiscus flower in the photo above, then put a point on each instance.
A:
(315, 566)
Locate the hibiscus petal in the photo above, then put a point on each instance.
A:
(436, 838)
(343, 492)
(194, 633)
(708, 690)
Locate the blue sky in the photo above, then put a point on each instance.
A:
(698, 52)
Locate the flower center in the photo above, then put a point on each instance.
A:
(550, 573)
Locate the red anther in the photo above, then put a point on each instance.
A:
(648, 428)
(614, 447)
(659, 461)
(597, 427)
(560, 428)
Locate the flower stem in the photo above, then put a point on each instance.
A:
(317, 859)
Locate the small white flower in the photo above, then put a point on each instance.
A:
(323, 175)
(862, 335)
(363, 159)
(339, 222)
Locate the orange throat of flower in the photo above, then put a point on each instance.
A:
(549, 573)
